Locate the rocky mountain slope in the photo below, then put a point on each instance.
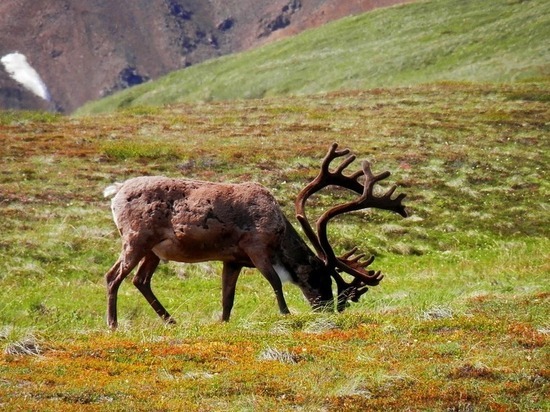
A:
(86, 49)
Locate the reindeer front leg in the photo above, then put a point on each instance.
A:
(266, 268)
(261, 255)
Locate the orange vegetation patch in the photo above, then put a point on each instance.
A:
(528, 337)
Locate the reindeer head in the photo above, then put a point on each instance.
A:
(350, 262)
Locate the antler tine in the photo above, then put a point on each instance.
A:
(357, 259)
(383, 201)
(345, 163)
(354, 266)
(332, 154)
(357, 270)
(349, 253)
(357, 293)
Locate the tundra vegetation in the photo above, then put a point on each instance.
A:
(459, 322)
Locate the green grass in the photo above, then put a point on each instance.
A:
(427, 41)
(460, 322)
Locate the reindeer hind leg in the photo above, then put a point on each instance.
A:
(230, 275)
(113, 278)
(142, 281)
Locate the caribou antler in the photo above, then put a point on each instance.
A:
(353, 265)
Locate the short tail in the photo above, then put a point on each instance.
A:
(112, 190)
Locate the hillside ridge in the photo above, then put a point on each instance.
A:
(85, 50)
(431, 41)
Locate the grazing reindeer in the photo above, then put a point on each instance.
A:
(240, 225)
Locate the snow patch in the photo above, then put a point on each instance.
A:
(21, 71)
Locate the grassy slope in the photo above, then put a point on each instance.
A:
(459, 323)
(466, 40)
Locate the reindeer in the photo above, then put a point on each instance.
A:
(241, 225)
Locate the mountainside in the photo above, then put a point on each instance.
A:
(87, 49)
(439, 40)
